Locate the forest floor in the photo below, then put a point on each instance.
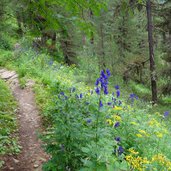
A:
(32, 155)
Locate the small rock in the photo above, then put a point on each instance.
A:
(42, 159)
(16, 161)
(11, 168)
(36, 165)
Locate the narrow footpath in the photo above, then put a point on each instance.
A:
(32, 155)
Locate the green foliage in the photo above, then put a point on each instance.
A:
(5, 43)
(8, 139)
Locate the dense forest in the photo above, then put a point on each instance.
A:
(100, 74)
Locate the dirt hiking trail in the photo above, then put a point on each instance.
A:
(32, 156)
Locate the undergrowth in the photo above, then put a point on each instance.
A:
(8, 125)
(93, 128)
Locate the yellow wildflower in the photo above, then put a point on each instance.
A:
(109, 121)
(117, 108)
(117, 118)
(143, 132)
(154, 122)
(134, 123)
(159, 135)
(139, 135)
(132, 151)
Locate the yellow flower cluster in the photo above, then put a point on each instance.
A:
(118, 108)
(142, 133)
(161, 159)
(153, 122)
(114, 119)
(137, 162)
(117, 118)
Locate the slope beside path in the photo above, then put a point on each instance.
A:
(32, 155)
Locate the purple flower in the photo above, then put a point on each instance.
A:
(100, 104)
(118, 93)
(97, 90)
(97, 82)
(118, 139)
(166, 113)
(133, 96)
(81, 96)
(120, 150)
(109, 103)
(116, 87)
(108, 72)
(62, 93)
(89, 121)
(102, 73)
(117, 124)
(105, 90)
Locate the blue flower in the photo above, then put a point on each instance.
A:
(117, 124)
(81, 96)
(133, 96)
(116, 87)
(120, 150)
(62, 93)
(118, 93)
(106, 90)
(108, 72)
(97, 82)
(89, 121)
(87, 103)
(100, 104)
(97, 90)
(166, 113)
(118, 139)
(109, 103)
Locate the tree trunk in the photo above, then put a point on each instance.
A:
(151, 53)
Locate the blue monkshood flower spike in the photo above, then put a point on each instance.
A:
(116, 87)
(166, 113)
(117, 124)
(118, 93)
(97, 90)
(120, 150)
(118, 139)
(113, 94)
(87, 103)
(108, 72)
(100, 104)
